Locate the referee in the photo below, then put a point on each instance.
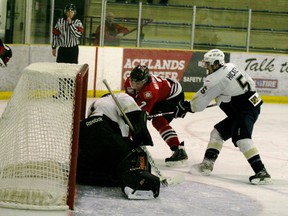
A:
(66, 34)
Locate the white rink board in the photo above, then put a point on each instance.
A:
(269, 71)
(18, 212)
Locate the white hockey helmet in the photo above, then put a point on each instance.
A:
(214, 55)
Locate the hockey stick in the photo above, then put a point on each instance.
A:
(212, 105)
(159, 114)
(150, 159)
(141, 26)
(170, 113)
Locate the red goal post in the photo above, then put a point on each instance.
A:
(80, 111)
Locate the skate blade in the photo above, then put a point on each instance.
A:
(182, 163)
(259, 181)
(196, 169)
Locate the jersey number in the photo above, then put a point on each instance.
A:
(143, 103)
(203, 90)
(243, 84)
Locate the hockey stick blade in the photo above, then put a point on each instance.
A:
(164, 182)
(169, 181)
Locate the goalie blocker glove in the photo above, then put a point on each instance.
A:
(182, 108)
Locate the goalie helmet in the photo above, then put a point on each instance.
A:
(70, 7)
(140, 73)
(5, 54)
(214, 56)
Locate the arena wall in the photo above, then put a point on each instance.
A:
(270, 71)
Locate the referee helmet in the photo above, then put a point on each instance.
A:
(70, 7)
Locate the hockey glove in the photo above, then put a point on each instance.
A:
(182, 108)
(140, 135)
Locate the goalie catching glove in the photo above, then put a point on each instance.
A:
(140, 134)
(182, 108)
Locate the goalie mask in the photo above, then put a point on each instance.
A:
(5, 54)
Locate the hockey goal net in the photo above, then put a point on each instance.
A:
(39, 131)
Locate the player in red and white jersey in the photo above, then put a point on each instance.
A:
(157, 95)
(235, 92)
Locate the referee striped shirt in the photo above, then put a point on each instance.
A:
(65, 34)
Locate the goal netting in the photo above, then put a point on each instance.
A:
(39, 131)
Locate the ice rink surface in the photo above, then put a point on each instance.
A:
(226, 192)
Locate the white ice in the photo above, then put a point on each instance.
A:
(226, 192)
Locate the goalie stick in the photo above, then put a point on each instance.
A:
(150, 159)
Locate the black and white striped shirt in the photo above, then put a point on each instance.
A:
(65, 34)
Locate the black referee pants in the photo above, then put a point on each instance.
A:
(68, 55)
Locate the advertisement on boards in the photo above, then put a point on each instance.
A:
(270, 72)
(185, 66)
(164, 63)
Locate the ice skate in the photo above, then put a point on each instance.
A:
(179, 157)
(261, 177)
(205, 168)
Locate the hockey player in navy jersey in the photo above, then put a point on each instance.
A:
(235, 92)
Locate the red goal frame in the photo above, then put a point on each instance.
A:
(79, 114)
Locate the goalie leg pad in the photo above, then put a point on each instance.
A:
(140, 184)
(138, 194)
(136, 159)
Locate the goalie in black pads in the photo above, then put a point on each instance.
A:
(235, 92)
(110, 153)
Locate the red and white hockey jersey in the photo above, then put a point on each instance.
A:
(153, 92)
